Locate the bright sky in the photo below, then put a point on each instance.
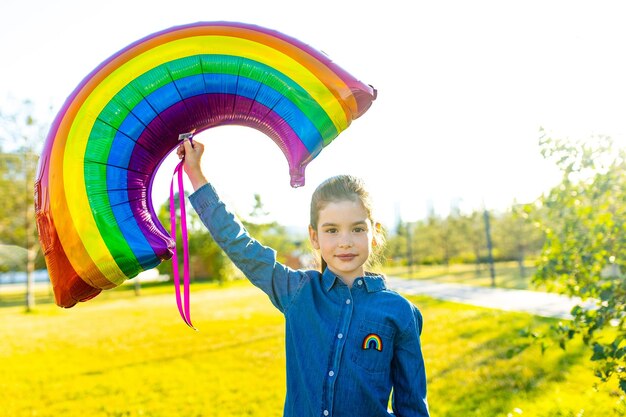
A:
(463, 88)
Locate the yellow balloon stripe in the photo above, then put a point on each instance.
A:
(72, 162)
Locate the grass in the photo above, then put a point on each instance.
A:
(478, 366)
(507, 274)
(121, 355)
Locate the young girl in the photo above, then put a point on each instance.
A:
(349, 340)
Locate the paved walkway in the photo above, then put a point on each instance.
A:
(538, 303)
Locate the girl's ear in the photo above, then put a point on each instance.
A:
(313, 238)
(376, 234)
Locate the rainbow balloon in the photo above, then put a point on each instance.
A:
(95, 219)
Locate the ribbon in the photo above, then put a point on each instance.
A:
(181, 302)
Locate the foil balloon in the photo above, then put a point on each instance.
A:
(95, 218)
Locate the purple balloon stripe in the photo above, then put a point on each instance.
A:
(185, 116)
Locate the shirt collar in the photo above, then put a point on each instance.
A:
(329, 279)
(373, 282)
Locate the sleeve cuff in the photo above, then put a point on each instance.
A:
(204, 197)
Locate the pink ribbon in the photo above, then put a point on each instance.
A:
(182, 309)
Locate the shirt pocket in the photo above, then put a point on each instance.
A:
(375, 348)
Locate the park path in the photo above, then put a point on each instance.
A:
(538, 303)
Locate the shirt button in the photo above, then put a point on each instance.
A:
(359, 282)
(340, 336)
(331, 373)
(348, 301)
(326, 412)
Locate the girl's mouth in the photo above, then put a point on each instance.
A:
(346, 257)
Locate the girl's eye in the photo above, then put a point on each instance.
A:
(360, 229)
(331, 230)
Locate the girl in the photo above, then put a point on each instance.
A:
(349, 340)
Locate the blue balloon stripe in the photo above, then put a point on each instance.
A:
(163, 98)
(133, 235)
(131, 127)
(121, 150)
(190, 86)
(144, 112)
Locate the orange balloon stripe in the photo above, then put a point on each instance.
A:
(70, 241)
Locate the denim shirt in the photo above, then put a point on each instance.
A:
(346, 348)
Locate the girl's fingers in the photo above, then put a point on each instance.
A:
(187, 145)
(193, 148)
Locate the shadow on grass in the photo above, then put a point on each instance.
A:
(44, 295)
(19, 299)
(492, 360)
(186, 354)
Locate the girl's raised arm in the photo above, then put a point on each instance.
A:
(256, 261)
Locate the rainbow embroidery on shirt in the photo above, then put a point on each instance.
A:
(373, 341)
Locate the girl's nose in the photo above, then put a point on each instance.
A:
(345, 244)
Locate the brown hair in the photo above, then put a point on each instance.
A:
(341, 188)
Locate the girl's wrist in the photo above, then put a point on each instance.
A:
(199, 182)
(196, 177)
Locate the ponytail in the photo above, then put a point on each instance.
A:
(323, 265)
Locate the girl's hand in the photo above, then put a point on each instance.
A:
(192, 155)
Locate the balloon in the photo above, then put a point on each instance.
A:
(96, 222)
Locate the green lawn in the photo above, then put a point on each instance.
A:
(121, 355)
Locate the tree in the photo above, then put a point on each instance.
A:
(516, 235)
(21, 137)
(396, 247)
(269, 233)
(584, 255)
(475, 237)
(461, 238)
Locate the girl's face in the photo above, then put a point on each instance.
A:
(344, 237)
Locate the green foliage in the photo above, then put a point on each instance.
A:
(207, 260)
(584, 220)
(21, 138)
(17, 170)
(461, 238)
(516, 235)
(269, 233)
